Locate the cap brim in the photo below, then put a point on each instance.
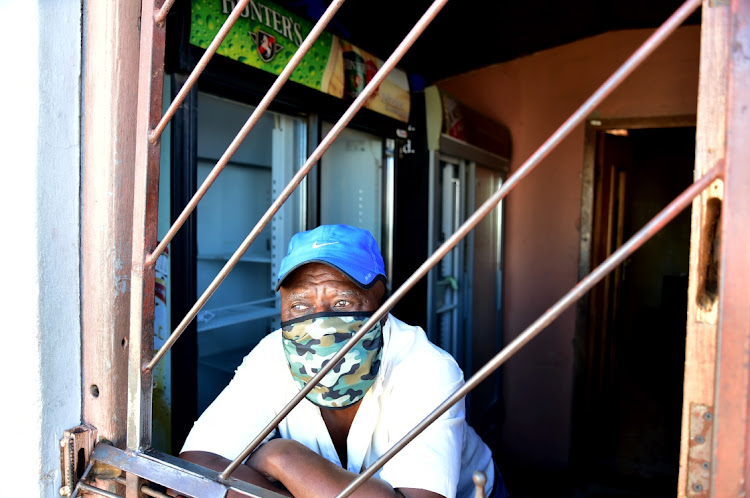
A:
(337, 266)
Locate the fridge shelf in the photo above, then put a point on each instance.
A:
(246, 258)
(209, 319)
(226, 361)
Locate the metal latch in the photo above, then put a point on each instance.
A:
(76, 446)
(699, 451)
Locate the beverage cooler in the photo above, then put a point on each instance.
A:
(353, 183)
(468, 159)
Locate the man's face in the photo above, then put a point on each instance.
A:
(315, 288)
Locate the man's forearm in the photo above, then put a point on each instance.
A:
(243, 472)
(308, 475)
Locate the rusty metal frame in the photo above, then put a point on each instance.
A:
(732, 410)
(108, 127)
(145, 222)
(731, 437)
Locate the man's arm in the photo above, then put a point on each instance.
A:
(243, 472)
(308, 475)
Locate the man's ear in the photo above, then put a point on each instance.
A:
(383, 299)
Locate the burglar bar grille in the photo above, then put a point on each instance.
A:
(150, 127)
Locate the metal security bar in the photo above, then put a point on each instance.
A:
(251, 121)
(576, 118)
(150, 125)
(731, 441)
(377, 79)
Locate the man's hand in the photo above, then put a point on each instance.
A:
(308, 475)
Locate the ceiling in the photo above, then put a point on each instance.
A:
(469, 34)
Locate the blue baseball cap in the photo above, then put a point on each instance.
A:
(351, 250)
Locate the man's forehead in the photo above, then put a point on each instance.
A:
(315, 274)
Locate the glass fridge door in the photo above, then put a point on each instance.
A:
(244, 308)
(351, 182)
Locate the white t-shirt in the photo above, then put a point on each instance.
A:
(414, 378)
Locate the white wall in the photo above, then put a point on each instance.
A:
(39, 229)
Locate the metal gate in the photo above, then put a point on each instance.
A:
(730, 414)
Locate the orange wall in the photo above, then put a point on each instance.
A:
(533, 95)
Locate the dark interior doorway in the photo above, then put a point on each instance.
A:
(630, 370)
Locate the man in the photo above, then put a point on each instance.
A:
(330, 282)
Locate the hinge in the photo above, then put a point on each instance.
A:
(76, 446)
(699, 451)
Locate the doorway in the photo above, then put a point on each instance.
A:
(631, 328)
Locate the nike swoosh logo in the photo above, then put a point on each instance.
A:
(316, 245)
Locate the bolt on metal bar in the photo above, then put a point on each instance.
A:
(636, 241)
(377, 79)
(249, 124)
(576, 118)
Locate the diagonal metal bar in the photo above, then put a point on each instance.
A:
(249, 124)
(377, 79)
(575, 119)
(83, 478)
(199, 68)
(97, 491)
(161, 14)
(644, 234)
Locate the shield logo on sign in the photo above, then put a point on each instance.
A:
(267, 46)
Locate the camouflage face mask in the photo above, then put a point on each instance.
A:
(311, 341)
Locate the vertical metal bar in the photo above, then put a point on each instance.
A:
(109, 100)
(710, 140)
(731, 466)
(145, 217)
(109, 97)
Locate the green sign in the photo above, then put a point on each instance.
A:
(265, 36)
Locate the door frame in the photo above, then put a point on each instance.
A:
(593, 128)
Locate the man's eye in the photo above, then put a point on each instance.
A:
(341, 303)
(299, 307)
